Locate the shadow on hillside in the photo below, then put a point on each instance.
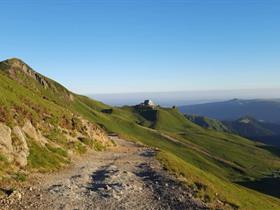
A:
(7, 192)
(272, 149)
(268, 185)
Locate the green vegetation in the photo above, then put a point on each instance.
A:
(210, 161)
(19, 176)
(208, 123)
(3, 164)
(215, 189)
(45, 159)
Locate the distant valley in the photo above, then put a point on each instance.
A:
(257, 119)
(262, 110)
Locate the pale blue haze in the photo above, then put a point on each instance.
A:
(146, 46)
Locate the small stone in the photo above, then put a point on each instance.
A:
(108, 187)
(17, 195)
(116, 196)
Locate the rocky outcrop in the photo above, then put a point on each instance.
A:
(20, 147)
(36, 135)
(14, 146)
(6, 147)
(95, 133)
(18, 65)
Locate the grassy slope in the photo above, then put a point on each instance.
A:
(208, 123)
(25, 98)
(206, 158)
(202, 156)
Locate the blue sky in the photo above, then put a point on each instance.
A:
(146, 46)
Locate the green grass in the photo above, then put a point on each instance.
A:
(210, 161)
(208, 123)
(232, 195)
(45, 158)
(4, 164)
(216, 159)
(19, 176)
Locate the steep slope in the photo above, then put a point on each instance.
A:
(251, 128)
(208, 123)
(56, 123)
(38, 130)
(264, 110)
(248, 127)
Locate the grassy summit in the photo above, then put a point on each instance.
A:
(209, 161)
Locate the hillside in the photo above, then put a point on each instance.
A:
(248, 127)
(38, 129)
(262, 110)
(251, 128)
(203, 156)
(45, 123)
(208, 123)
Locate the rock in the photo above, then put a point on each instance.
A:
(108, 187)
(116, 196)
(19, 196)
(6, 146)
(31, 131)
(20, 147)
(16, 195)
(100, 188)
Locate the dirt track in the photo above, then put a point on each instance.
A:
(125, 177)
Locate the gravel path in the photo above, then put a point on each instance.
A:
(125, 177)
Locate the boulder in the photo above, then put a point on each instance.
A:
(20, 147)
(31, 131)
(6, 147)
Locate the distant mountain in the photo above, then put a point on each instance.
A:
(208, 123)
(262, 110)
(251, 128)
(247, 127)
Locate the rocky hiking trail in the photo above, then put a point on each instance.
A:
(124, 177)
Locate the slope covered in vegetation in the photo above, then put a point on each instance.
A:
(65, 123)
(210, 161)
(38, 130)
(248, 127)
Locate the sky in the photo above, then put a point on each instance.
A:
(182, 98)
(122, 46)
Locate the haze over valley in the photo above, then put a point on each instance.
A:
(181, 98)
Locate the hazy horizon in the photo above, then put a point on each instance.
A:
(180, 98)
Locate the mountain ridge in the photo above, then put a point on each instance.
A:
(261, 109)
(248, 127)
